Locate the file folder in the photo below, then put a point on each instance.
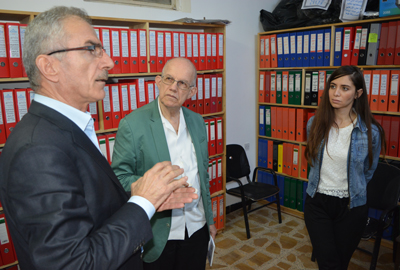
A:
(141, 93)
(293, 49)
(295, 160)
(307, 88)
(260, 152)
(391, 43)
(337, 55)
(115, 51)
(362, 58)
(149, 86)
(291, 85)
(103, 146)
(132, 90)
(393, 105)
(124, 99)
(327, 47)
(368, 80)
(396, 49)
(219, 92)
(169, 47)
(195, 46)
(94, 113)
(270, 154)
(261, 87)
(202, 49)
(321, 84)
(21, 104)
(142, 44)
(293, 193)
(279, 45)
(306, 49)
(285, 123)
(219, 131)
(297, 87)
(124, 46)
(4, 68)
(6, 246)
(394, 136)
(285, 86)
(267, 86)
(3, 135)
(273, 87)
(22, 30)
(267, 115)
(210, 181)
(313, 48)
(220, 45)
(356, 46)
(373, 44)
(292, 124)
(213, 146)
(299, 50)
(105, 37)
(286, 197)
(208, 51)
(348, 38)
(275, 156)
(303, 164)
(384, 90)
(280, 158)
(274, 130)
(320, 47)
(193, 103)
(14, 50)
(261, 120)
(285, 159)
(314, 88)
(214, 51)
(299, 195)
(189, 46)
(110, 144)
(279, 122)
(214, 99)
(182, 44)
(274, 55)
(267, 53)
(301, 125)
(214, 176)
(207, 94)
(115, 105)
(376, 77)
(153, 50)
(262, 52)
(133, 49)
(10, 119)
(219, 173)
(383, 39)
(200, 94)
(286, 50)
(279, 87)
(160, 51)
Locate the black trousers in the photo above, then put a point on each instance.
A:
(185, 254)
(335, 230)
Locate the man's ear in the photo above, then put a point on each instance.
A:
(192, 92)
(48, 67)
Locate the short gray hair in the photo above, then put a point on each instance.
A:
(43, 35)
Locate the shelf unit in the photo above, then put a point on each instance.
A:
(24, 17)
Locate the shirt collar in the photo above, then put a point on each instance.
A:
(165, 122)
(81, 119)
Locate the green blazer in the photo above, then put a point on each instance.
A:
(140, 144)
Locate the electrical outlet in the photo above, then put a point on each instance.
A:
(247, 146)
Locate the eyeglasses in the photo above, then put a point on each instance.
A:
(181, 84)
(96, 50)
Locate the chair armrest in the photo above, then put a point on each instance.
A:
(266, 170)
(229, 178)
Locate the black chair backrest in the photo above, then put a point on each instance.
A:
(383, 191)
(237, 164)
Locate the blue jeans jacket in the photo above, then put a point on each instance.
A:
(358, 171)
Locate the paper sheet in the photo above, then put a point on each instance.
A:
(210, 253)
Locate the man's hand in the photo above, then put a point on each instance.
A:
(178, 198)
(158, 183)
(213, 231)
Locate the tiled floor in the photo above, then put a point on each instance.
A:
(276, 246)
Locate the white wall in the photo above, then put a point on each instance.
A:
(240, 50)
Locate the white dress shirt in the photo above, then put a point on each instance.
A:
(183, 154)
(85, 122)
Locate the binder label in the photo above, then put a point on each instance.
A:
(13, 41)
(9, 107)
(93, 108)
(213, 86)
(115, 42)
(219, 175)
(195, 45)
(306, 45)
(3, 232)
(357, 41)
(299, 44)
(22, 30)
(285, 45)
(182, 44)
(3, 51)
(219, 86)
(150, 90)
(338, 41)
(189, 45)
(295, 156)
(375, 84)
(262, 46)
(383, 84)
(115, 98)
(134, 51)
(327, 41)
(394, 85)
(266, 46)
(160, 44)
(272, 82)
(124, 43)
(200, 88)
(142, 94)
(152, 40)
(280, 49)
(124, 94)
(106, 100)
(367, 79)
(103, 147)
(364, 34)
(111, 142)
(320, 42)
(291, 80)
(168, 51)
(261, 116)
(346, 42)
(273, 45)
(1, 116)
(221, 45)
(142, 42)
(261, 82)
(202, 47)
(285, 82)
(268, 116)
(312, 43)
(22, 106)
(132, 91)
(293, 44)
(208, 36)
(206, 88)
(176, 44)
(106, 41)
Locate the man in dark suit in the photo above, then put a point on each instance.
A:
(64, 206)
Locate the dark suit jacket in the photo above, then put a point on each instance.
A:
(64, 206)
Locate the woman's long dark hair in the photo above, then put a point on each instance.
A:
(324, 118)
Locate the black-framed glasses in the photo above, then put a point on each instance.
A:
(96, 50)
(183, 85)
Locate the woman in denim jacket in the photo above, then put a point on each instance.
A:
(343, 147)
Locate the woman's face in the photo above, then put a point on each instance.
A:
(342, 93)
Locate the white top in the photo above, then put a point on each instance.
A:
(85, 122)
(183, 154)
(333, 177)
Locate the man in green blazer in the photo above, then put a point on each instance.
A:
(163, 130)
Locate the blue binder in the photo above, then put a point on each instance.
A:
(293, 49)
(305, 185)
(337, 53)
(327, 47)
(279, 49)
(313, 48)
(306, 49)
(286, 49)
(320, 47)
(281, 184)
(261, 129)
(299, 50)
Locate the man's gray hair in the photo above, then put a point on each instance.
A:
(194, 71)
(44, 35)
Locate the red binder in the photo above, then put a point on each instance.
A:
(394, 136)
(274, 128)
(133, 51)
(168, 45)
(207, 124)
(14, 50)
(6, 246)
(214, 51)
(202, 50)
(160, 50)
(376, 77)
(208, 51)
(115, 51)
(391, 43)
(110, 145)
(124, 99)
(4, 69)
(214, 175)
(301, 125)
(142, 48)
(106, 102)
(189, 46)
(295, 160)
(384, 90)
(21, 104)
(292, 124)
(219, 135)
(29, 96)
(267, 52)
(273, 57)
(3, 135)
(22, 30)
(153, 50)
(397, 46)
(214, 203)
(261, 87)
(195, 46)
(219, 174)
(262, 52)
(132, 90)
(285, 87)
(368, 80)
(94, 113)
(267, 95)
(382, 44)
(285, 123)
(149, 86)
(321, 84)
(141, 93)
(207, 94)
(303, 163)
(273, 87)
(200, 94)
(175, 44)
(105, 38)
(386, 121)
(10, 119)
(214, 98)
(213, 145)
(279, 120)
(103, 144)
(124, 49)
(182, 44)
(219, 92)
(115, 105)
(347, 45)
(393, 105)
(356, 45)
(220, 55)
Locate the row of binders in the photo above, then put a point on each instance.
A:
(296, 49)
(391, 126)
(215, 174)
(217, 204)
(292, 192)
(7, 250)
(282, 157)
(284, 123)
(128, 48)
(368, 44)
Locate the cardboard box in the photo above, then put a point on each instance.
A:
(388, 8)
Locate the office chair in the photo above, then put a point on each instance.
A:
(383, 193)
(237, 166)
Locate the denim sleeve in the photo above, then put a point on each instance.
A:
(376, 150)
